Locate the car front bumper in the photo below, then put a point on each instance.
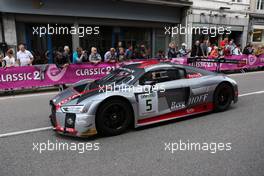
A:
(82, 124)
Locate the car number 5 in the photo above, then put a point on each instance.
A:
(148, 103)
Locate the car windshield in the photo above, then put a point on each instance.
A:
(119, 76)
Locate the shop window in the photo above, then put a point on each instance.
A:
(257, 35)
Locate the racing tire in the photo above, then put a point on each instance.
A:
(223, 97)
(113, 117)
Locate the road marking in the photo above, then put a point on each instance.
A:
(27, 96)
(252, 93)
(49, 128)
(245, 74)
(25, 131)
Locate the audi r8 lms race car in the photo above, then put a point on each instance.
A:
(138, 94)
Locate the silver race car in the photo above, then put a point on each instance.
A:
(139, 94)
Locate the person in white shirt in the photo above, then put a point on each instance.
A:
(24, 56)
(9, 59)
(237, 50)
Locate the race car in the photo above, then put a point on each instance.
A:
(139, 94)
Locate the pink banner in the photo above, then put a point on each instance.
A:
(251, 61)
(49, 75)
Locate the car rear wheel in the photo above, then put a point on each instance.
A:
(113, 118)
(223, 97)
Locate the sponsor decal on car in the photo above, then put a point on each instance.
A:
(198, 99)
(177, 105)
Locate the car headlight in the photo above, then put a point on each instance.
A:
(73, 109)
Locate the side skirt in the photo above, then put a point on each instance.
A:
(176, 114)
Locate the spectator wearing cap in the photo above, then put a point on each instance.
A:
(24, 56)
(94, 57)
(110, 56)
(183, 51)
(10, 60)
(223, 43)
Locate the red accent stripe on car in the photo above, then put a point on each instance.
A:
(177, 114)
(73, 96)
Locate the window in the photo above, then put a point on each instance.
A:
(257, 35)
(237, 0)
(161, 76)
(260, 4)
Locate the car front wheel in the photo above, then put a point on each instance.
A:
(113, 117)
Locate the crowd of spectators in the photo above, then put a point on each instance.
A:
(62, 57)
(225, 48)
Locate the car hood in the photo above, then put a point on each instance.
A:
(77, 93)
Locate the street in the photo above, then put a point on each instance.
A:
(139, 151)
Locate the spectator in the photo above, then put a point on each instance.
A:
(1, 60)
(196, 50)
(204, 48)
(94, 57)
(119, 45)
(259, 51)
(58, 57)
(122, 55)
(10, 60)
(172, 51)
(37, 57)
(66, 55)
(142, 52)
(130, 53)
(223, 43)
(79, 56)
(230, 47)
(248, 49)
(183, 51)
(24, 56)
(160, 55)
(214, 53)
(209, 47)
(237, 50)
(110, 56)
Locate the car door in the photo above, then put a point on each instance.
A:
(168, 93)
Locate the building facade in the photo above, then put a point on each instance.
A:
(219, 13)
(131, 22)
(256, 22)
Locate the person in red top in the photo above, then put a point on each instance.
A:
(214, 53)
(223, 43)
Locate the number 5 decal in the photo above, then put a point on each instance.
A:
(148, 103)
